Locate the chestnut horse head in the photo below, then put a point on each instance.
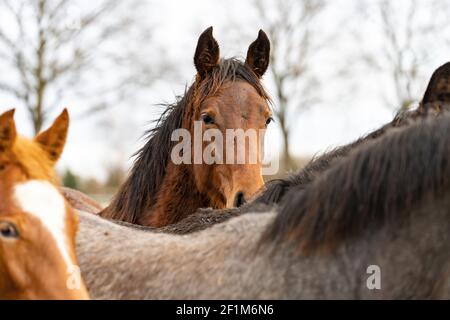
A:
(228, 105)
(228, 100)
(37, 226)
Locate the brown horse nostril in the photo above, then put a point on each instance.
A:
(239, 200)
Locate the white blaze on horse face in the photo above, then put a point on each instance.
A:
(43, 201)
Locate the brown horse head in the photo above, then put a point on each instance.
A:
(223, 115)
(224, 104)
(37, 226)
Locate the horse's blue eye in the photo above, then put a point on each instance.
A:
(207, 119)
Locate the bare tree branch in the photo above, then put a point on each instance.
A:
(403, 52)
(291, 29)
(47, 54)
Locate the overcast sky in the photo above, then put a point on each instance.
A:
(349, 107)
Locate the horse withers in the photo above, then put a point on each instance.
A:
(37, 225)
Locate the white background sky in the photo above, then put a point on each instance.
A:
(350, 107)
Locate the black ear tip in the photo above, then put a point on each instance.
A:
(446, 65)
(443, 72)
(206, 35)
(262, 35)
(207, 52)
(208, 31)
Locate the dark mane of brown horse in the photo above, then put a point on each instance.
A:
(139, 191)
(277, 188)
(435, 100)
(379, 183)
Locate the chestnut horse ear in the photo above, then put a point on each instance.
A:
(7, 130)
(207, 53)
(258, 54)
(54, 138)
(438, 89)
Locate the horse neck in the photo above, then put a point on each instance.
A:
(177, 198)
(146, 189)
(178, 195)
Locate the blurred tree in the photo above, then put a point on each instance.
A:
(91, 186)
(292, 27)
(48, 48)
(407, 31)
(115, 177)
(70, 180)
(99, 190)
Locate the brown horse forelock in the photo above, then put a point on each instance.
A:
(140, 191)
(379, 183)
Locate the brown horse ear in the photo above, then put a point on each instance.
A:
(258, 54)
(438, 89)
(207, 52)
(7, 130)
(54, 138)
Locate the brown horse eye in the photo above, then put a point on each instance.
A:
(8, 231)
(268, 121)
(207, 119)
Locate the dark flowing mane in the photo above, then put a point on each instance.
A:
(380, 182)
(139, 191)
(435, 100)
(276, 189)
